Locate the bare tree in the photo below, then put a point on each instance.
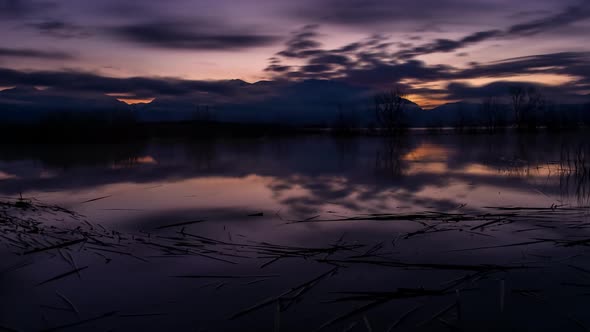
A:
(526, 104)
(518, 98)
(491, 109)
(389, 110)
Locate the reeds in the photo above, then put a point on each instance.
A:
(23, 232)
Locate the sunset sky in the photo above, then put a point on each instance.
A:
(437, 50)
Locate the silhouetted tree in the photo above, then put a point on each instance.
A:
(527, 103)
(490, 107)
(517, 95)
(389, 111)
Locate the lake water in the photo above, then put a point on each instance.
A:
(423, 232)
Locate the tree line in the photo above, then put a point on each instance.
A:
(522, 108)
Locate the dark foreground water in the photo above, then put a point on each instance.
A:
(425, 232)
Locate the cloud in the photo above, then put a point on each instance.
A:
(495, 89)
(369, 62)
(462, 91)
(75, 82)
(10, 9)
(363, 13)
(567, 17)
(325, 63)
(60, 29)
(448, 45)
(366, 62)
(388, 74)
(574, 64)
(31, 53)
(330, 59)
(191, 36)
(302, 43)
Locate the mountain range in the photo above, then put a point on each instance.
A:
(313, 102)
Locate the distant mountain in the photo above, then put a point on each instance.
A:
(26, 104)
(460, 114)
(165, 110)
(464, 114)
(299, 103)
(311, 102)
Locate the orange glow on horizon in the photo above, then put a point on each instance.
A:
(431, 101)
(133, 101)
(428, 102)
(546, 79)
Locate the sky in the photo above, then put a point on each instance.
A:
(437, 51)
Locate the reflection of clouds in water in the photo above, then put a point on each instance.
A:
(6, 176)
(429, 152)
(223, 182)
(306, 175)
(134, 162)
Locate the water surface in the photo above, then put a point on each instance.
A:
(309, 192)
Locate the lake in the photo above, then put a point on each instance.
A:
(426, 231)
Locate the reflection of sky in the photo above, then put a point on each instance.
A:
(301, 177)
(146, 186)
